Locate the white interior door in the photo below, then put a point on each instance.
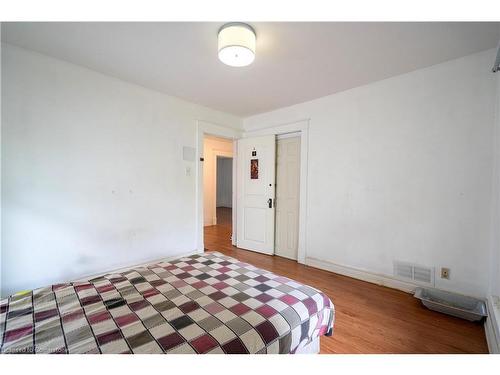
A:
(287, 196)
(255, 193)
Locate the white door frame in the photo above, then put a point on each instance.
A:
(207, 128)
(301, 126)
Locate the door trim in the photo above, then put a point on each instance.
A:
(301, 126)
(204, 128)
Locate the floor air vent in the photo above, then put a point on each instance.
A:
(414, 273)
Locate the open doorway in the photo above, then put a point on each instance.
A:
(231, 143)
(218, 189)
(224, 190)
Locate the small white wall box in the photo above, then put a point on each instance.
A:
(188, 153)
(464, 307)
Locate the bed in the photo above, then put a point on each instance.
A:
(208, 303)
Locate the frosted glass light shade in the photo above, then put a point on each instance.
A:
(236, 43)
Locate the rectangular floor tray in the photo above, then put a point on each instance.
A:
(464, 307)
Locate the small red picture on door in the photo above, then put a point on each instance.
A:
(254, 169)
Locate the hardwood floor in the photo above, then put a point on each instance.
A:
(368, 318)
(224, 217)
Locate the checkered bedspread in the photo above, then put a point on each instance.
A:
(206, 303)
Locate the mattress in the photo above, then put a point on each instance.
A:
(208, 303)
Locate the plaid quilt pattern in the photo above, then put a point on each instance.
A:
(206, 303)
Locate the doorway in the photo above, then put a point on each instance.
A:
(218, 237)
(224, 190)
(218, 185)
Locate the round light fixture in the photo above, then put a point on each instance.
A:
(236, 44)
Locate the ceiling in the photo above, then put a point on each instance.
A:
(295, 62)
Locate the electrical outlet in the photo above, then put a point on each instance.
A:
(445, 273)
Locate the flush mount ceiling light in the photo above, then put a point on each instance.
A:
(236, 44)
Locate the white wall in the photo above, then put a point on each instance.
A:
(212, 146)
(401, 169)
(224, 182)
(92, 171)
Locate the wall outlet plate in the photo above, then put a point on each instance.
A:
(445, 273)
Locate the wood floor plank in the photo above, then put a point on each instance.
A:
(369, 318)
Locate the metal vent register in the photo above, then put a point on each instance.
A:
(414, 273)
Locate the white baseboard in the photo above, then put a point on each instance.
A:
(360, 274)
(492, 325)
